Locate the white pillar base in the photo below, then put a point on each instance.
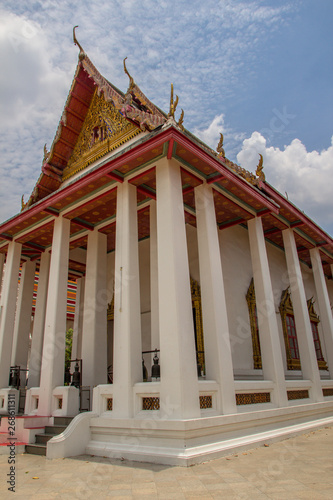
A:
(11, 396)
(68, 398)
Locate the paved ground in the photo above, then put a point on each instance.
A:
(297, 468)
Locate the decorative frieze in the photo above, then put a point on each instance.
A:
(206, 402)
(298, 394)
(253, 398)
(151, 403)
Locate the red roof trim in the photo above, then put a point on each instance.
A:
(113, 163)
(303, 219)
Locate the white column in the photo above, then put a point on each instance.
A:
(53, 361)
(155, 336)
(179, 395)
(2, 262)
(308, 357)
(78, 319)
(23, 316)
(325, 312)
(94, 348)
(8, 307)
(127, 315)
(39, 321)
(218, 359)
(270, 347)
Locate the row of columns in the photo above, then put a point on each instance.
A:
(171, 308)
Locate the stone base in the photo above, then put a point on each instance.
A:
(195, 441)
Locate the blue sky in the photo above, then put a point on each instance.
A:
(259, 71)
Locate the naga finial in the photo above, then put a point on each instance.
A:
(260, 168)
(46, 153)
(181, 119)
(23, 205)
(82, 53)
(219, 148)
(131, 83)
(173, 104)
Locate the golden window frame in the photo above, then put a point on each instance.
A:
(322, 365)
(251, 304)
(286, 307)
(196, 305)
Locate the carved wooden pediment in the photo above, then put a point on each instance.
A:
(104, 129)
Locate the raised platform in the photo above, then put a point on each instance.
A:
(184, 443)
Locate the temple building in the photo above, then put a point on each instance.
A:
(201, 298)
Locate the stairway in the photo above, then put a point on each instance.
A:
(39, 447)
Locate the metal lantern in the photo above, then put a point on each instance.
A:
(76, 376)
(155, 369)
(144, 371)
(67, 376)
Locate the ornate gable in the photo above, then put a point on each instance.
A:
(312, 313)
(104, 129)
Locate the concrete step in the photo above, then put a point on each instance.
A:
(62, 420)
(55, 429)
(43, 438)
(36, 449)
(39, 448)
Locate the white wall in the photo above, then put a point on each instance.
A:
(237, 274)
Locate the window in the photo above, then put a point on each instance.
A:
(251, 303)
(314, 319)
(289, 331)
(292, 337)
(290, 334)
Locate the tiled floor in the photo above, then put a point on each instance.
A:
(297, 468)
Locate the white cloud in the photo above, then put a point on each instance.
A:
(32, 89)
(28, 78)
(211, 135)
(306, 176)
(203, 52)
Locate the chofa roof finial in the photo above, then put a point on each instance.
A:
(131, 79)
(219, 148)
(260, 168)
(82, 53)
(173, 104)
